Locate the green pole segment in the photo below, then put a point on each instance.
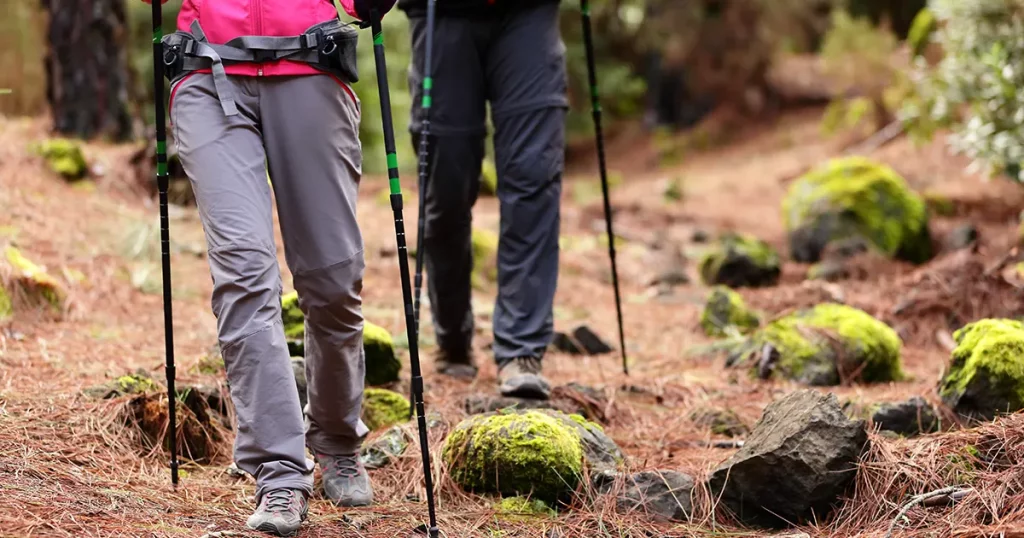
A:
(403, 261)
(165, 234)
(588, 41)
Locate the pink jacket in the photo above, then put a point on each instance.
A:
(224, 20)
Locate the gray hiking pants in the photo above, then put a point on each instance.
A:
(517, 63)
(307, 129)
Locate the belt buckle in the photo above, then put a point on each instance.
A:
(263, 56)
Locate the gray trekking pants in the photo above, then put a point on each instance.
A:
(307, 129)
(517, 63)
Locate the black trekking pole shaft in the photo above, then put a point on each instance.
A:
(588, 42)
(403, 260)
(424, 160)
(165, 232)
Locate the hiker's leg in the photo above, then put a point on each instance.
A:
(224, 158)
(527, 83)
(311, 126)
(458, 128)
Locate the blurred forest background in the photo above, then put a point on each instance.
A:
(665, 64)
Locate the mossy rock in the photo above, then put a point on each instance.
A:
(136, 383)
(485, 257)
(518, 506)
(600, 452)
(488, 178)
(529, 453)
(921, 30)
(6, 305)
(725, 312)
(985, 377)
(851, 197)
(36, 285)
(739, 260)
(383, 408)
(382, 363)
(64, 157)
(830, 343)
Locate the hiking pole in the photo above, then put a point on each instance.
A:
(588, 42)
(165, 232)
(428, 84)
(403, 260)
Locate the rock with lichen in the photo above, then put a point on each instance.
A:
(383, 408)
(6, 305)
(385, 448)
(985, 377)
(382, 363)
(33, 283)
(827, 344)
(725, 312)
(64, 157)
(519, 507)
(739, 260)
(529, 453)
(856, 197)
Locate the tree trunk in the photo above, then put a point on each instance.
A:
(87, 68)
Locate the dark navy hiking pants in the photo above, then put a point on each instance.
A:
(517, 64)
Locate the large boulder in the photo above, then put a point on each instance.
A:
(382, 363)
(725, 312)
(800, 457)
(856, 197)
(738, 260)
(986, 375)
(826, 345)
(517, 453)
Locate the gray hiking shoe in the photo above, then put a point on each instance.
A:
(457, 366)
(345, 480)
(521, 378)
(280, 513)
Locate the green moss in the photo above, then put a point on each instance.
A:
(37, 284)
(986, 373)
(921, 29)
(211, 364)
(523, 506)
(382, 363)
(724, 311)
(291, 314)
(854, 196)
(939, 204)
(523, 453)
(134, 384)
(488, 178)
(815, 345)
(383, 408)
(740, 260)
(64, 157)
(485, 256)
(6, 306)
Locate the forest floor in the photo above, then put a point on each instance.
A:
(67, 467)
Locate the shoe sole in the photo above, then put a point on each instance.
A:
(270, 528)
(529, 391)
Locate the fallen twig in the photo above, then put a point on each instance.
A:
(950, 492)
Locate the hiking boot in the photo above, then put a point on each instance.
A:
(521, 378)
(345, 480)
(459, 366)
(280, 513)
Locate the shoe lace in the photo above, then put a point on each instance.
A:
(279, 500)
(530, 365)
(343, 466)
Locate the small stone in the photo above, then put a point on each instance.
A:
(485, 403)
(582, 341)
(740, 261)
(661, 494)
(800, 457)
(725, 312)
(64, 157)
(985, 377)
(720, 421)
(909, 418)
(234, 472)
(386, 448)
(700, 236)
(829, 270)
(963, 236)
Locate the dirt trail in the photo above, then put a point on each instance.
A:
(64, 471)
